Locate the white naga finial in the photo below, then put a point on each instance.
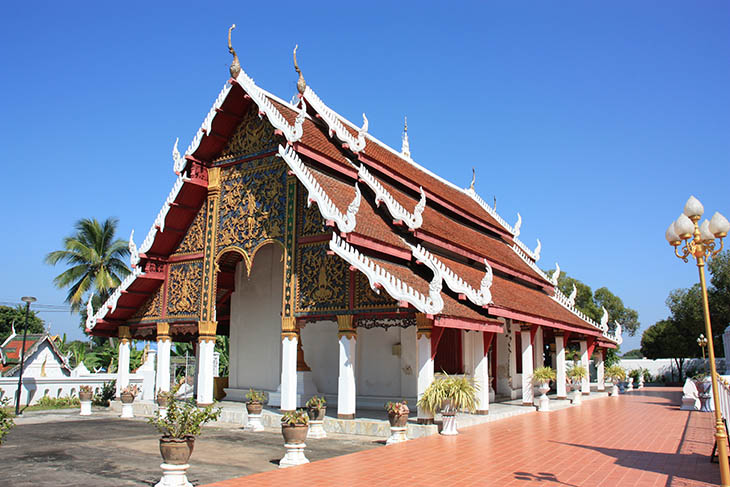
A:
(536, 252)
(90, 322)
(617, 333)
(133, 252)
(485, 286)
(473, 178)
(362, 131)
(556, 274)
(518, 224)
(573, 294)
(405, 147)
(178, 161)
(604, 319)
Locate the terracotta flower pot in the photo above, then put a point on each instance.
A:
(176, 451)
(85, 395)
(162, 400)
(126, 397)
(316, 414)
(254, 407)
(296, 433)
(398, 420)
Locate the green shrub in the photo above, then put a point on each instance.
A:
(183, 418)
(6, 418)
(452, 393)
(254, 396)
(108, 391)
(543, 374)
(316, 402)
(291, 418)
(47, 402)
(577, 372)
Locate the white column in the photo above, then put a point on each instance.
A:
(481, 372)
(527, 390)
(560, 365)
(346, 391)
(206, 347)
(425, 370)
(539, 349)
(162, 378)
(123, 362)
(586, 383)
(600, 371)
(289, 371)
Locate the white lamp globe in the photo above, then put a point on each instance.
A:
(693, 208)
(684, 226)
(705, 233)
(719, 226)
(672, 236)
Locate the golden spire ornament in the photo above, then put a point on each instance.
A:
(301, 84)
(235, 65)
(473, 178)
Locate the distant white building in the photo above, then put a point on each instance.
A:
(42, 357)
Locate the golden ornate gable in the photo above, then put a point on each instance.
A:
(193, 241)
(253, 136)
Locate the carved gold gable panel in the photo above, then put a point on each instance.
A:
(252, 204)
(254, 136)
(366, 298)
(151, 310)
(323, 281)
(184, 289)
(193, 241)
(309, 219)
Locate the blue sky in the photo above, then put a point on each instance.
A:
(595, 121)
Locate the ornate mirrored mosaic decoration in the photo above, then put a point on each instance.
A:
(366, 298)
(252, 204)
(151, 310)
(322, 280)
(184, 289)
(254, 136)
(369, 322)
(193, 241)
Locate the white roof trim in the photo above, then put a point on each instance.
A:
(398, 290)
(347, 222)
(111, 303)
(334, 123)
(481, 297)
(397, 211)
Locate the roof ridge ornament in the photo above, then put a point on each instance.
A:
(301, 83)
(397, 211)
(235, 68)
(604, 319)
(133, 252)
(517, 225)
(90, 318)
(536, 252)
(363, 131)
(617, 334)
(334, 124)
(573, 294)
(473, 178)
(405, 149)
(178, 161)
(556, 275)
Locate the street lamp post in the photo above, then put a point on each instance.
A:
(699, 242)
(27, 300)
(702, 342)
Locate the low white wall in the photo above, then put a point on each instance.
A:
(665, 366)
(35, 388)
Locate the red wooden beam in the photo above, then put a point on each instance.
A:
(436, 333)
(533, 332)
(487, 339)
(467, 324)
(378, 246)
(535, 320)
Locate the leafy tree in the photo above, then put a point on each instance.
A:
(635, 353)
(664, 339)
(719, 292)
(10, 315)
(95, 260)
(590, 303)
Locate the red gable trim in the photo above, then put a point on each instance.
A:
(504, 313)
(466, 324)
(316, 156)
(605, 344)
(378, 246)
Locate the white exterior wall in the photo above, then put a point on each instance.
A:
(255, 334)
(408, 363)
(505, 363)
(376, 367)
(664, 366)
(36, 387)
(321, 353)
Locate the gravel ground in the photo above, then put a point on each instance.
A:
(61, 448)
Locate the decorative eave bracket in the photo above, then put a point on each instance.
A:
(397, 211)
(335, 125)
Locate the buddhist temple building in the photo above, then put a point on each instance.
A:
(337, 266)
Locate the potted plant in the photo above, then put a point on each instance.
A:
(294, 426)
(179, 427)
(163, 398)
(616, 374)
(449, 394)
(6, 418)
(107, 393)
(541, 377)
(128, 394)
(255, 401)
(575, 376)
(85, 393)
(397, 413)
(316, 408)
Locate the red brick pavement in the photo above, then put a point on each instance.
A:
(637, 439)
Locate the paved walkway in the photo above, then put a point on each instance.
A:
(637, 439)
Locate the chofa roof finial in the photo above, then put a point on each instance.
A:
(235, 65)
(473, 178)
(405, 147)
(301, 84)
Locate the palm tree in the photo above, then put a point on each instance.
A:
(95, 258)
